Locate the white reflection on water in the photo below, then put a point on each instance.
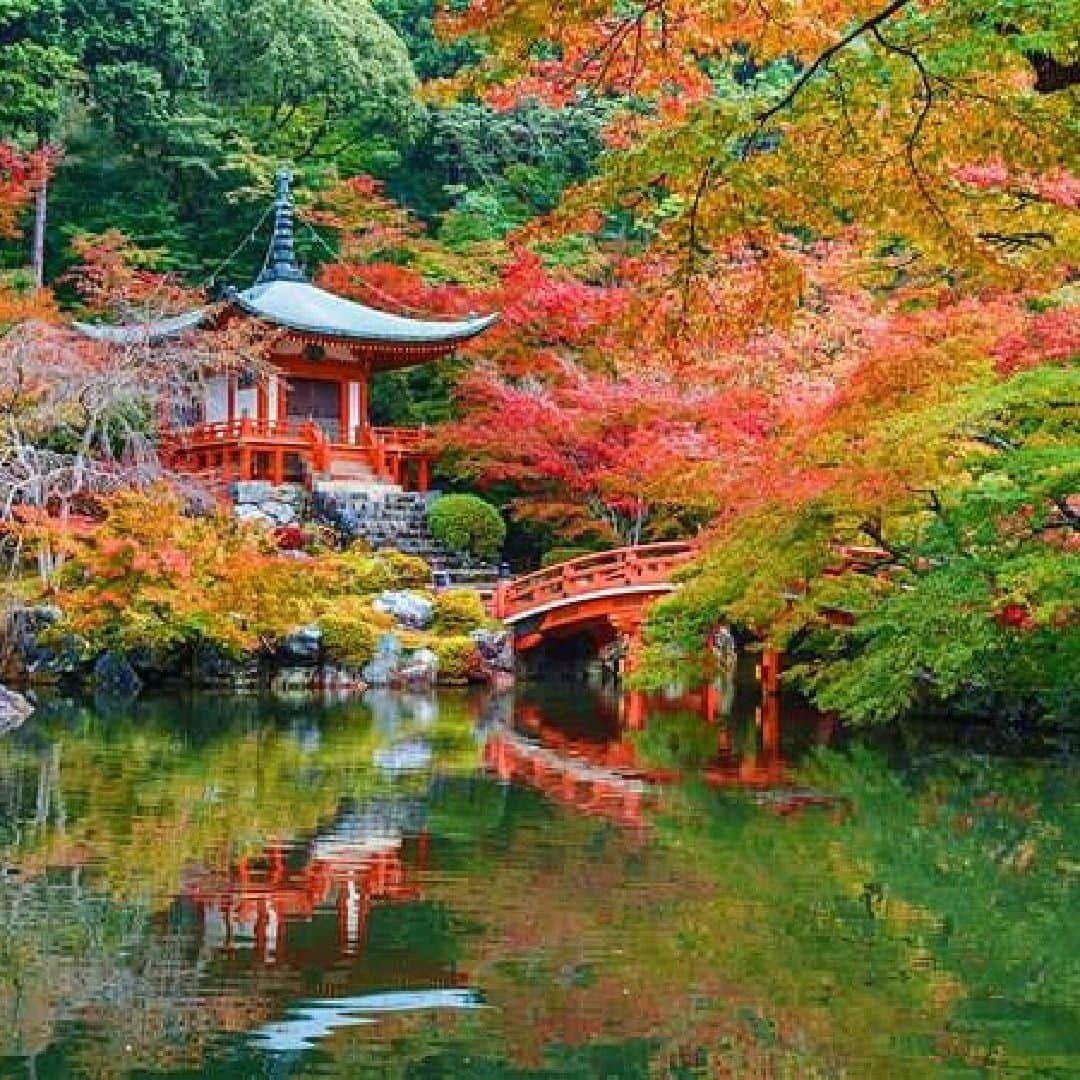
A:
(315, 1020)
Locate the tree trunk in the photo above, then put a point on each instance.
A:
(37, 243)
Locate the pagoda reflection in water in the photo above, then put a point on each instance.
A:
(367, 857)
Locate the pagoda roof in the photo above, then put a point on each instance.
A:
(284, 296)
(304, 307)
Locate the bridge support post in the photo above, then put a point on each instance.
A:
(628, 627)
(769, 671)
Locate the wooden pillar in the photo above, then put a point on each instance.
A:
(635, 710)
(710, 701)
(245, 462)
(278, 469)
(262, 401)
(344, 420)
(770, 727)
(282, 400)
(423, 474)
(423, 849)
(628, 627)
(364, 419)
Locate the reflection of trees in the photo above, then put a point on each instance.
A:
(68, 952)
(142, 800)
(933, 916)
(104, 817)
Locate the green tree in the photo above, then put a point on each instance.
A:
(36, 68)
(323, 80)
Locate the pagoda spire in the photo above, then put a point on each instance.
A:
(281, 264)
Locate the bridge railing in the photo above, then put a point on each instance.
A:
(647, 564)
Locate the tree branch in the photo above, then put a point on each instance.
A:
(821, 62)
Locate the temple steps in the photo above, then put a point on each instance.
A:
(385, 516)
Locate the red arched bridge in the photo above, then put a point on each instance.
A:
(603, 594)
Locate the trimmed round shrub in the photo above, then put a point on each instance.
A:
(467, 525)
(457, 611)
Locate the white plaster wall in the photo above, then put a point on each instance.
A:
(247, 403)
(272, 397)
(216, 400)
(355, 419)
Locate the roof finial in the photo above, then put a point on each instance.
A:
(281, 264)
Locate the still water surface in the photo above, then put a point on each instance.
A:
(459, 886)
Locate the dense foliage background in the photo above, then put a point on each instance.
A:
(801, 280)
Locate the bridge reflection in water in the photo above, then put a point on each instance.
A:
(608, 753)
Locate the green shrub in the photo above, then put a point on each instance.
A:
(366, 571)
(554, 556)
(351, 631)
(467, 525)
(406, 571)
(458, 611)
(362, 571)
(459, 659)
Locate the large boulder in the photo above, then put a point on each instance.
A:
(255, 513)
(30, 659)
(411, 610)
(215, 668)
(382, 671)
(115, 676)
(252, 491)
(14, 710)
(420, 670)
(292, 680)
(340, 678)
(282, 513)
(156, 666)
(496, 649)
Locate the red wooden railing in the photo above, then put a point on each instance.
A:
(647, 564)
(229, 446)
(393, 438)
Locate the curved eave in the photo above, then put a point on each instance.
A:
(148, 333)
(307, 309)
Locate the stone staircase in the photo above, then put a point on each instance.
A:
(385, 516)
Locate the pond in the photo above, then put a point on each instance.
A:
(457, 885)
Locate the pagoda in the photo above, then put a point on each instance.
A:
(308, 420)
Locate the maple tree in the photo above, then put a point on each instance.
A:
(152, 575)
(857, 224)
(765, 117)
(19, 174)
(80, 413)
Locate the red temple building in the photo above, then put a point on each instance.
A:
(309, 420)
